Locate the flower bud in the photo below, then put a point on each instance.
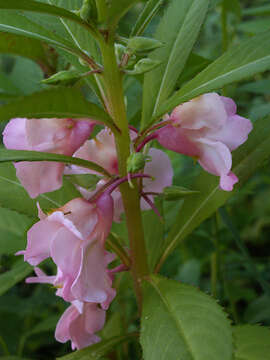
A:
(143, 66)
(139, 44)
(136, 162)
(69, 77)
(87, 11)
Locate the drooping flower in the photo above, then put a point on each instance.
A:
(74, 237)
(79, 325)
(102, 150)
(207, 128)
(60, 136)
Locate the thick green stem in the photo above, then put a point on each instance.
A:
(115, 96)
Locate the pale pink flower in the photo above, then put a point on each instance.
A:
(74, 237)
(208, 129)
(79, 325)
(60, 136)
(102, 151)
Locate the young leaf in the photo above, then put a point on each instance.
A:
(251, 342)
(61, 102)
(34, 6)
(181, 322)
(248, 158)
(178, 29)
(239, 62)
(149, 11)
(96, 351)
(13, 276)
(26, 155)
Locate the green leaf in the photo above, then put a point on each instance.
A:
(180, 322)
(248, 158)
(96, 351)
(254, 26)
(87, 181)
(239, 62)
(251, 342)
(60, 102)
(16, 23)
(25, 155)
(12, 277)
(23, 46)
(12, 358)
(171, 193)
(149, 11)
(117, 9)
(14, 197)
(34, 6)
(178, 29)
(13, 227)
(154, 230)
(257, 11)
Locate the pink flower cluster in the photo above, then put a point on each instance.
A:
(74, 236)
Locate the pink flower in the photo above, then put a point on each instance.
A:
(74, 237)
(60, 136)
(79, 324)
(207, 128)
(102, 150)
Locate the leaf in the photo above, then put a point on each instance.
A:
(13, 227)
(257, 11)
(16, 23)
(117, 9)
(87, 181)
(26, 155)
(251, 342)
(14, 197)
(178, 29)
(60, 102)
(199, 207)
(12, 277)
(149, 11)
(250, 57)
(180, 322)
(154, 230)
(12, 358)
(34, 6)
(23, 46)
(96, 351)
(254, 26)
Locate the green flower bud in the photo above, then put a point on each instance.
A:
(87, 11)
(69, 77)
(136, 162)
(143, 66)
(141, 44)
(172, 193)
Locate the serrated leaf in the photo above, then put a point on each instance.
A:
(178, 29)
(248, 158)
(180, 322)
(251, 342)
(96, 351)
(149, 11)
(61, 102)
(26, 155)
(34, 6)
(12, 277)
(250, 57)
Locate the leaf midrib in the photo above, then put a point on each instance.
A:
(170, 312)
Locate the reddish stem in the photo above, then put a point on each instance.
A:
(146, 140)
